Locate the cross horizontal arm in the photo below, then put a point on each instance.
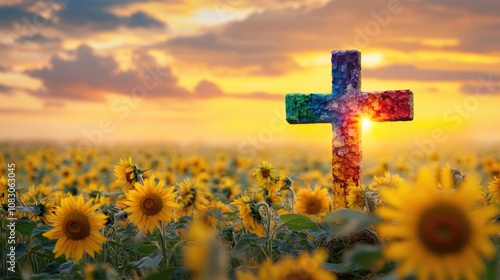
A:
(308, 108)
(391, 105)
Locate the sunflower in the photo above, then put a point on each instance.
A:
(489, 165)
(30, 163)
(265, 174)
(99, 271)
(45, 209)
(202, 254)
(76, 228)
(494, 188)
(268, 194)
(312, 202)
(4, 194)
(127, 172)
(150, 204)
(437, 232)
(311, 177)
(198, 164)
(388, 180)
(66, 172)
(356, 198)
(36, 193)
(305, 266)
(213, 215)
(228, 188)
(88, 178)
(193, 197)
(69, 185)
(97, 193)
(250, 215)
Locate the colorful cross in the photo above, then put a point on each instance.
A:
(344, 108)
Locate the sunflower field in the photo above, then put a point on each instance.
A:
(210, 213)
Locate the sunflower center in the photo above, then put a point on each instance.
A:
(313, 206)
(151, 204)
(265, 173)
(227, 191)
(444, 229)
(76, 226)
(298, 276)
(129, 176)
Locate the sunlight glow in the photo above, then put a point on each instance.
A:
(366, 124)
(371, 60)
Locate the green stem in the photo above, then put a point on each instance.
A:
(163, 247)
(271, 238)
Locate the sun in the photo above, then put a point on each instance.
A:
(366, 123)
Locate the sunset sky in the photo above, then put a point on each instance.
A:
(217, 71)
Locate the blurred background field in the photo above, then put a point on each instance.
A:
(38, 163)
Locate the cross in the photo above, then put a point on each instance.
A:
(344, 108)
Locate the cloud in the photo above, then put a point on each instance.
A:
(5, 90)
(258, 95)
(208, 89)
(90, 77)
(13, 15)
(38, 39)
(95, 15)
(473, 82)
(482, 86)
(264, 43)
(213, 51)
(410, 72)
(205, 88)
(85, 16)
(485, 8)
(21, 111)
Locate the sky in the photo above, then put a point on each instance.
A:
(102, 71)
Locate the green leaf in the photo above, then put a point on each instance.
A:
(147, 249)
(492, 270)
(298, 222)
(25, 227)
(28, 209)
(39, 231)
(43, 276)
(118, 244)
(20, 250)
(52, 268)
(344, 221)
(337, 267)
(165, 274)
(151, 261)
(364, 256)
(240, 250)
